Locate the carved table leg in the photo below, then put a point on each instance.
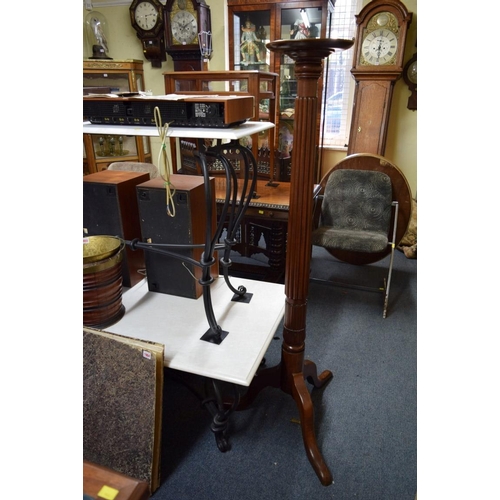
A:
(276, 246)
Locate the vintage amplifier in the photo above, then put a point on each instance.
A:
(213, 111)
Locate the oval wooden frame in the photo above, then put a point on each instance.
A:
(401, 193)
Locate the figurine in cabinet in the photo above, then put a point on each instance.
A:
(262, 34)
(278, 20)
(249, 46)
(299, 30)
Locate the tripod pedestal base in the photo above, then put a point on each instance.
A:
(273, 377)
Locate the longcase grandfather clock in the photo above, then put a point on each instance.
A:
(382, 26)
(184, 19)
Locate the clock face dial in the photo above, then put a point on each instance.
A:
(184, 27)
(146, 16)
(411, 73)
(379, 47)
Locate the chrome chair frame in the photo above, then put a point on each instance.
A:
(385, 289)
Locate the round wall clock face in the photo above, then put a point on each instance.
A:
(146, 16)
(184, 27)
(411, 72)
(379, 47)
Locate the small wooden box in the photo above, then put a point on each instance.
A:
(95, 477)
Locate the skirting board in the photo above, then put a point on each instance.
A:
(122, 404)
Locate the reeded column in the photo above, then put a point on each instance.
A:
(308, 55)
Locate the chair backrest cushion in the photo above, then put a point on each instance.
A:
(134, 166)
(357, 200)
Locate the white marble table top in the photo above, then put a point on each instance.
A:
(178, 323)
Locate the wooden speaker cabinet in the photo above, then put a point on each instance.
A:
(168, 274)
(110, 208)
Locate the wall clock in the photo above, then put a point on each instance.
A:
(382, 26)
(184, 19)
(410, 78)
(147, 19)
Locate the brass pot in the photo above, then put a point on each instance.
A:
(101, 252)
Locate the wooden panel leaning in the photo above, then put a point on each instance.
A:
(122, 404)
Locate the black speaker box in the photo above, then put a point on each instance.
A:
(110, 208)
(166, 274)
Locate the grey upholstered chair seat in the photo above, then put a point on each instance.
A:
(351, 240)
(355, 212)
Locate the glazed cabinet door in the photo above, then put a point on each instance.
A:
(113, 76)
(251, 27)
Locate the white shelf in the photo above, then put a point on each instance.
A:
(248, 128)
(179, 323)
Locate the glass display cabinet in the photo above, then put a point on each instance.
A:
(251, 26)
(105, 76)
(125, 75)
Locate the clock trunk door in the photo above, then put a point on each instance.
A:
(372, 102)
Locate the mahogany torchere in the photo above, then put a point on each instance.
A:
(293, 369)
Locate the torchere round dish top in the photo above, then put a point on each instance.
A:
(98, 248)
(316, 45)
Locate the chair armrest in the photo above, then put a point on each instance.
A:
(317, 201)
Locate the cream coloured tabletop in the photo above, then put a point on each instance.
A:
(179, 323)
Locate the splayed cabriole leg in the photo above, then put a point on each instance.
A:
(302, 397)
(311, 374)
(294, 371)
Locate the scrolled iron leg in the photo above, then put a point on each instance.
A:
(220, 413)
(219, 428)
(225, 262)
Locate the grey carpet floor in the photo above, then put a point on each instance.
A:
(365, 416)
